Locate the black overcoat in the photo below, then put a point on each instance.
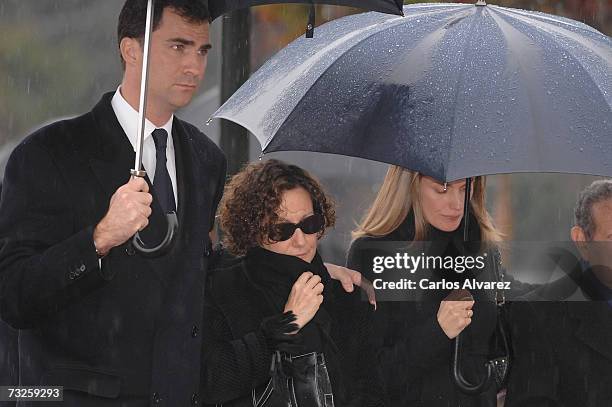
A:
(562, 350)
(127, 333)
(414, 353)
(237, 354)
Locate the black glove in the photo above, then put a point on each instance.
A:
(278, 331)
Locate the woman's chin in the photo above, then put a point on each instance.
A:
(307, 257)
(448, 226)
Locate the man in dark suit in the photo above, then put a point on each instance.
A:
(9, 372)
(563, 350)
(94, 316)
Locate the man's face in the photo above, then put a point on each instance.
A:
(602, 215)
(598, 249)
(179, 52)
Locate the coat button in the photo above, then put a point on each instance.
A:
(207, 252)
(194, 331)
(194, 399)
(129, 249)
(156, 398)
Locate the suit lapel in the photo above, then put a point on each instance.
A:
(183, 171)
(594, 325)
(113, 156)
(187, 174)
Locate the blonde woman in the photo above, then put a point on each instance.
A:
(414, 338)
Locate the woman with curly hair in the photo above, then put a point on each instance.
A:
(278, 331)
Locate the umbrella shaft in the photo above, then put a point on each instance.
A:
(143, 91)
(466, 209)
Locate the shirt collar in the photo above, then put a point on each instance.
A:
(128, 119)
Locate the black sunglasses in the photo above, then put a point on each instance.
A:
(283, 231)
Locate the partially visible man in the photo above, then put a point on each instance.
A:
(109, 325)
(563, 350)
(9, 372)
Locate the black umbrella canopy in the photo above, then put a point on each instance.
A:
(450, 90)
(220, 7)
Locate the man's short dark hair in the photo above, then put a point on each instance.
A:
(598, 191)
(133, 16)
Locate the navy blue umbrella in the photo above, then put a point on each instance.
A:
(220, 7)
(449, 90)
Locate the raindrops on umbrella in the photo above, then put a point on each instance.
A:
(450, 90)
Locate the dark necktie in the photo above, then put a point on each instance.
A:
(162, 184)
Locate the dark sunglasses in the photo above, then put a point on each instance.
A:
(283, 231)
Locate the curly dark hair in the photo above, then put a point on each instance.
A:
(254, 195)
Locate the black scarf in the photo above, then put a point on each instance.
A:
(406, 232)
(274, 274)
(444, 244)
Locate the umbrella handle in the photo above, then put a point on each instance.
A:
(165, 245)
(460, 380)
(463, 384)
(167, 242)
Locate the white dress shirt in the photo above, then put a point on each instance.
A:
(128, 119)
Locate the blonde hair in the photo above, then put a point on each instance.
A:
(399, 194)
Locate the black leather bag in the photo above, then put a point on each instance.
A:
(296, 381)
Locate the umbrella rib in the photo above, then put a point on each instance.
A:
(467, 47)
(537, 123)
(550, 32)
(543, 18)
(387, 24)
(381, 24)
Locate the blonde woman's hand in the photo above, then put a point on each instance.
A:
(305, 298)
(455, 312)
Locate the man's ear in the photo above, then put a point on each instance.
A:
(130, 51)
(577, 234)
(579, 238)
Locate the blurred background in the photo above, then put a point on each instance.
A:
(58, 56)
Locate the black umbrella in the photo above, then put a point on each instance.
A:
(450, 90)
(220, 7)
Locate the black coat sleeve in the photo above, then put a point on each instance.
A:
(533, 379)
(405, 350)
(354, 336)
(218, 191)
(519, 288)
(45, 263)
(232, 367)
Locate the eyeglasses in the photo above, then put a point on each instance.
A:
(283, 231)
